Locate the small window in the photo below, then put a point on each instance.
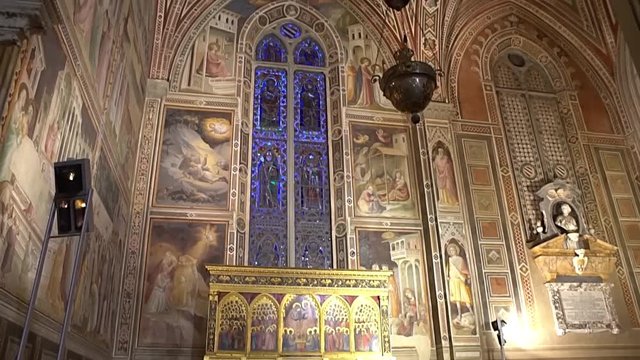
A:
(308, 52)
(271, 49)
(290, 31)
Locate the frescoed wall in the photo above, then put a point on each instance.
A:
(52, 115)
(166, 100)
(176, 292)
(194, 160)
(402, 252)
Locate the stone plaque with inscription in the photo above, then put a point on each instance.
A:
(583, 307)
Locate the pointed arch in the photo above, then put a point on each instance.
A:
(336, 317)
(231, 323)
(309, 52)
(271, 49)
(474, 31)
(366, 325)
(263, 323)
(295, 142)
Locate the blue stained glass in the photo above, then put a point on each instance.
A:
(270, 103)
(291, 31)
(268, 219)
(271, 49)
(271, 147)
(310, 106)
(308, 52)
(312, 201)
(268, 209)
(312, 192)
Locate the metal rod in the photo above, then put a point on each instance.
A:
(61, 236)
(36, 283)
(74, 276)
(501, 338)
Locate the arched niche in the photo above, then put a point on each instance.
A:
(232, 324)
(366, 326)
(336, 325)
(263, 324)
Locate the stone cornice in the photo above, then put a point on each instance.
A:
(20, 18)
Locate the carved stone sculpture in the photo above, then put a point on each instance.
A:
(561, 213)
(576, 265)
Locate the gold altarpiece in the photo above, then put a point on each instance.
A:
(293, 313)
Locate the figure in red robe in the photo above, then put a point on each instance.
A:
(212, 63)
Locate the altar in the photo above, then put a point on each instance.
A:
(273, 313)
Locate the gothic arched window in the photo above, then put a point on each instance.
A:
(290, 216)
(534, 127)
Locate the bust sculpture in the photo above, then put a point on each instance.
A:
(568, 223)
(565, 220)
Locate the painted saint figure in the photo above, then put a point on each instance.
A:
(83, 13)
(351, 82)
(311, 183)
(309, 107)
(369, 202)
(157, 302)
(17, 131)
(269, 182)
(270, 105)
(445, 179)
(364, 76)
(212, 63)
(394, 292)
(458, 276)
(399, 189)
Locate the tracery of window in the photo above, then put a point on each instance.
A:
(290, 218)
(535, 131)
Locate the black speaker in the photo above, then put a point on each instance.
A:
(72, 178)
(64, 215)
(72, 184)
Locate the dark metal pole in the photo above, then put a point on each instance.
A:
(74, 277)
(36, 283)
(501, 338)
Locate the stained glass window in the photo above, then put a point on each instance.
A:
(270, 101)
(271, 49)
(290, 224)
(308, 52)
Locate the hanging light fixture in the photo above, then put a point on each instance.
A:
(396, 5)
(408, 84)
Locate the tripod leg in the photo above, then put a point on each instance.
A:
(74, 277)
(36, 284)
